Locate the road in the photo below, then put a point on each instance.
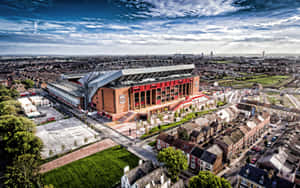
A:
(114, 135)
(230, 173)
(294, 100)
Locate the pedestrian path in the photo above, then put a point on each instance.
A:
(76, 155)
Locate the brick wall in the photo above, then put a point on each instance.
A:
(195, 88)
(122, 100)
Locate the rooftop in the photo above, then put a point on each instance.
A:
(69, 87)
(197, 152)
(140, 171)
(139, 76)
(261, 177)
(208, 157)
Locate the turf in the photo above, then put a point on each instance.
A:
(248, 81)
(103, 169)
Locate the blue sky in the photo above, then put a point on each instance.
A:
(87, 27)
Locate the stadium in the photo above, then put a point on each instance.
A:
(127, 92)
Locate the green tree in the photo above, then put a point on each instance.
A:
(8, 94)
(23, 172)
(183, 134)
(174, 161)
(176, 114)
(206, 179)
(10, 107)
(49, 186)
(28, 83)
(16, 82)
(16, 136)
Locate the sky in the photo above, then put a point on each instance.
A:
(145, 27)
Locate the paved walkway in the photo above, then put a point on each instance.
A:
(76, 155)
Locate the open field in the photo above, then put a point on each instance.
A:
(103, 169)
(264, 80)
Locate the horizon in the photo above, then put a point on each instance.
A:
(146, 27)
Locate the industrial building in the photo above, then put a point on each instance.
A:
(119, 92)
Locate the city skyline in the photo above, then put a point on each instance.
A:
(127, 27)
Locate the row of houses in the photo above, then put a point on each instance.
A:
(204, 128)
(148, 175)
(284, 157)
(242, 134)
(209, 159)
(210, 141)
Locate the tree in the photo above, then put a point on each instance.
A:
(23, 172)
(7, 94)
(183, 134)
(206, 179)
(28, 83)
(176, 114)
(10, 107)
(174, 160)
(49, 186)
(16, 136)
(16, 82)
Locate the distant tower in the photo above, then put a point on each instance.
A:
(202, 54)
(263, 54)
(211, 54)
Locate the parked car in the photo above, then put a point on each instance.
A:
(253, 161)
(274, 139)
(253, 148)
(258, 149)
(269, 144)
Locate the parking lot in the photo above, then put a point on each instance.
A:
(64, 135)
(50, 113)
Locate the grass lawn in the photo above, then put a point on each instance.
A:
(152, 144)
(103, 169)
(270, 80)
(248, 81)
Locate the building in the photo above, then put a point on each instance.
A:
(253, 177)
(19, 87)
(141, 90)
(3, 82)
(147, 175)
(166, 140)
(205, 160)
(243, 134)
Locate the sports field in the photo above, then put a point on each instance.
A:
(103, 169)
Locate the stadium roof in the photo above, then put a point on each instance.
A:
(134, 76)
